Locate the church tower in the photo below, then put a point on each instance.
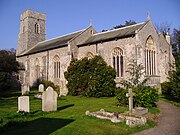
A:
(32, 30)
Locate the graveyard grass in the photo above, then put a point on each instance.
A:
(69, 119)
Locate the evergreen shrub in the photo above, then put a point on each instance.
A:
(49, 83)
(90, 77)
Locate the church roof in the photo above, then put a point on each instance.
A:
(114, 34)
(95, 38)
(52, 43)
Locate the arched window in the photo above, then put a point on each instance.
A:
(37, 29)
(117, 59)
(57, 67)
(90, 55)
(150, 57)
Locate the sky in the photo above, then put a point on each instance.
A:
(66, 16)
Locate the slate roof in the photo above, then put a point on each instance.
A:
(97, 37)
(113, 34)
(52, 43)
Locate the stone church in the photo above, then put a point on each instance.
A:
(48, 59)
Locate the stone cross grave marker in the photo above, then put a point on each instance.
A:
(130, 94)
(24, 89)
(49, 100)
(23, 103)
(41, 88)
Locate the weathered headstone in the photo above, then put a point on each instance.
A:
(130, 94)
(41, 88)
(24, 89)
(49, 100)
(23, 104)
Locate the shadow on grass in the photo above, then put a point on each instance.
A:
(41, 126)
(64, 107)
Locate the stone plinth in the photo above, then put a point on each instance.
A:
(133, 121)
(140, 111)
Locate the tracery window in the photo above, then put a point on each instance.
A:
(118, 63)
(57, 67)
(150, 57)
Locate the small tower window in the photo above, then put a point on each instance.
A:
(23, 29)
(37, 29)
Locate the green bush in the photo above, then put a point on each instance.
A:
(120, 95)
(90, 77)
(166, 88)
(146, 97)
(171, 90)
(49, 83)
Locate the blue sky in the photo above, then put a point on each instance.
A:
(65, 16)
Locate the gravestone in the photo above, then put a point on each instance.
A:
(23, 104)
(49, 100)
(24, 89)
(41, 88)
(130, 94)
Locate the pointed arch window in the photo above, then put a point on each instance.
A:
(37, 28)
(150, 57)
(57, 67)
(118, 61)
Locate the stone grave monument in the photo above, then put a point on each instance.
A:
(49, 100)
(25, 89)
(23, 104)
(130, 95)
(41, 88)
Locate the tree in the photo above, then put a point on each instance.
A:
(90, 77)
(176, 45)
(127, 23)
(8, 66)
(163, 28)
(171, 89)
(136, 76)
(144, 95)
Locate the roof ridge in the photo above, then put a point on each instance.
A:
(118, 29)
(62, 36)
(80, 33)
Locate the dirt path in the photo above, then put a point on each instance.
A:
(169, 123)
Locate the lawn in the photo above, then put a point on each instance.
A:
(69, 119)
